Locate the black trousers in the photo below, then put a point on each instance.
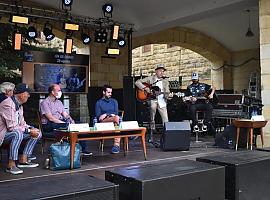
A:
(207, 108)
(50, 126)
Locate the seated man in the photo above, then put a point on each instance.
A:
(107, 111)
(54, 116)
(198, 92)
(13, 128)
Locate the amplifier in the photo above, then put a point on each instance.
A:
(182, 179)
(68, 186)
(230, 98)
(247, 175)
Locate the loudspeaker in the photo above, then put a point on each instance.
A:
(247, 175)
(129, 98)
(182, 179)
(68, 186)
(176, 136)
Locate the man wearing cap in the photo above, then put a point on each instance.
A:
(13, 129)
(160, 102)
(195, 90)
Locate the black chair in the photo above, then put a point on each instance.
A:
(46, 136)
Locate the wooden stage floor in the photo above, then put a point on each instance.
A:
(96, 164)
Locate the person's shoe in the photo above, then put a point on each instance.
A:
(196, 128)
(14, 170)
(86, 153)
(115, 149)
(31, 157)
(204, 128)
(28, 164)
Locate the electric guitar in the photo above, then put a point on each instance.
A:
(142, 95)
(204, 98)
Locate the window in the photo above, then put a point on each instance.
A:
(146, 48)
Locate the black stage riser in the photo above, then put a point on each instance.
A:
(247, 174)
(176, 136)
(67, 186)
(185, 180)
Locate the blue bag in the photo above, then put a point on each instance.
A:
(60, 156)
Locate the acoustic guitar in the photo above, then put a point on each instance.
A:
(142, 95)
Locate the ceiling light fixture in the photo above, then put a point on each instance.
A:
(249, 33)
(19, 19)
(31, 32)
(121, 42)
(86, 39)
(107, 9)
(47, 31)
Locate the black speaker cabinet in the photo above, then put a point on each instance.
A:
(176, 136)
(129, 98)
(182, 179)
(68, 186)
(247, 174)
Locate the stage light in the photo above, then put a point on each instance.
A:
(121, 42)
(115, 32)
(67, 2)
(113, 51)
(85, 38)
(31, 32)
(47, 31)
(19, 19)
(68, 45)
(101, 36)
(17, 42)
(107, 9)
(72, 27)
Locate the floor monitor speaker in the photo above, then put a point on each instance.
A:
(68, 186)
(176, 136)
(247, 174)
(182, 179)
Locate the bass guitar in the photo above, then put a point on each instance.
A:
(142, 95)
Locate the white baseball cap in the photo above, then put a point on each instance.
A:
(194, 76)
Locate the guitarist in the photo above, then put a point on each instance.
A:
(160, 102)
(197, 91)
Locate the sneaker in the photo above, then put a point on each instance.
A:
(115, 150)
(32, 157)
(28, 164)
(86, 153)
(204, 128)
(14, 170)
(196, 128)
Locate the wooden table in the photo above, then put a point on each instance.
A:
(100, 135)
(250, 125)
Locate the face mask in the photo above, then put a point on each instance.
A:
(59, 94)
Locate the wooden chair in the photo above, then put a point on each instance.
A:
(101, 143)
(46, 136)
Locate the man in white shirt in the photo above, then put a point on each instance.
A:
(160, 92)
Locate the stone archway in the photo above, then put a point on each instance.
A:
(199, 43)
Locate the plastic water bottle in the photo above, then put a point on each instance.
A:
(94, 123)
(120, 122)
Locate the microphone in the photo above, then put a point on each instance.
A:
(164, 77)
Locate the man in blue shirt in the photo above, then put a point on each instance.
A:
(107, 111)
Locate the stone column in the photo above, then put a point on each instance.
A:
(264, 22)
